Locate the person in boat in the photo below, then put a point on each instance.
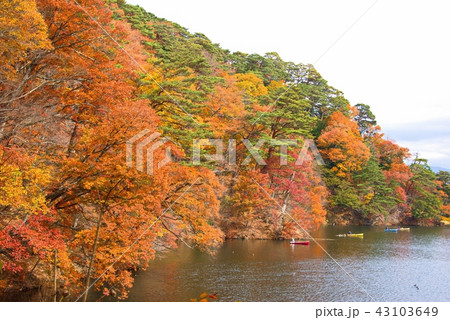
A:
(349, 232)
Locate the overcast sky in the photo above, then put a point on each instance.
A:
(393, 56)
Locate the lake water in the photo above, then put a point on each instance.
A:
(403, 266)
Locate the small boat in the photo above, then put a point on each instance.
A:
(390, 230)
(301, 243)
(354, 235)
(403, 229)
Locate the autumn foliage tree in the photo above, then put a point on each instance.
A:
(362, 170)
(79, 79)
(77, 195)
(343, 146)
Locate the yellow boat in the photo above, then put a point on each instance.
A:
(403, 229)
(355, 235)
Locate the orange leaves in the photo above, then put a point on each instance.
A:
(16, 41)
(194, 206)
(78, 127)
(391, 157)
(446, 210)
(388, 152)
(76, 98)
(318, 195)
(225, 108)
(246, 209)
(401, 194)
(398, 172)
(342, 145)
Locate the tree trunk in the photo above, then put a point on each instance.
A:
(91, 263)
(54, 275)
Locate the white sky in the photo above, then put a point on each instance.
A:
(396, 58)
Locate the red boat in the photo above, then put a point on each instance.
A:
(302, 243)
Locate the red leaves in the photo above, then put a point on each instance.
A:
(37, 236)
(277, 203)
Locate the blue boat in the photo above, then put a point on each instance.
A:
(390, 230)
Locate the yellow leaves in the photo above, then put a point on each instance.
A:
(88, 185)
(368, 197)
(251, 84)
(22, 184)
(160, 233)
(150, 82)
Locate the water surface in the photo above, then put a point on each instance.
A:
(403, 266)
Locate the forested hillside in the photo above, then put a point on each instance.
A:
(78, 79)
